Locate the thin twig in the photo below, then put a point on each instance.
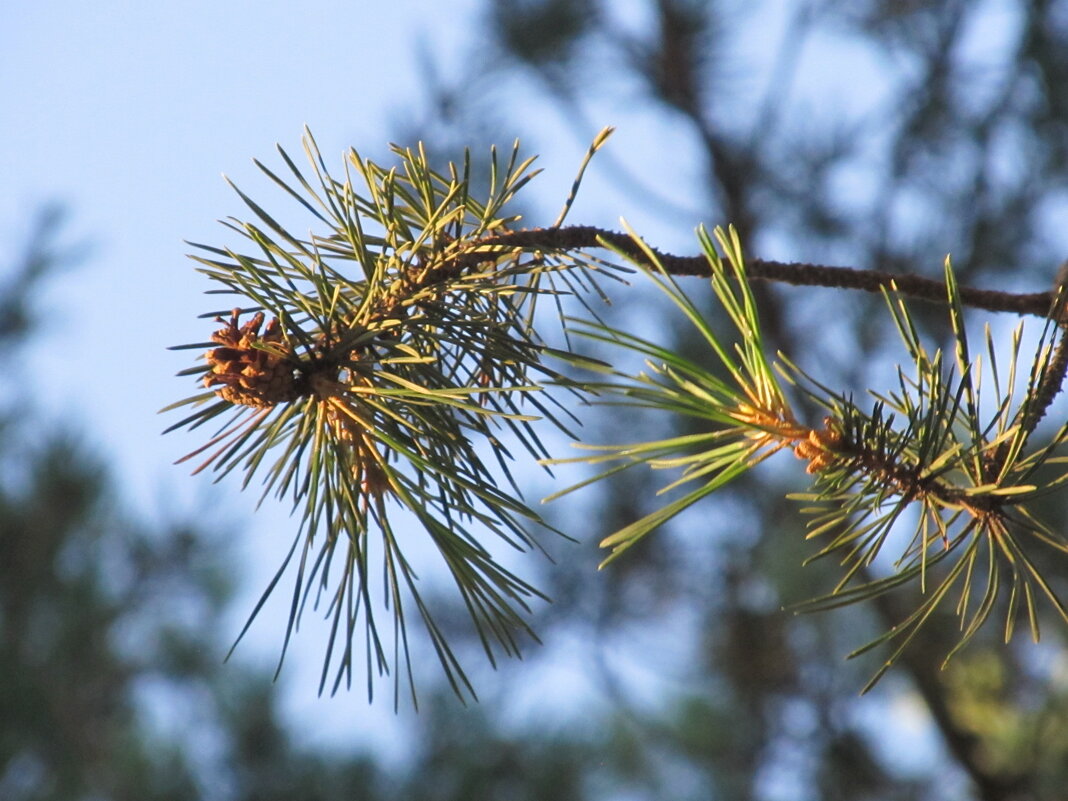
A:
(576, 237)
(1050, 387)
(1054, 374)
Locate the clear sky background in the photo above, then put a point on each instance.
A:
(128, 112)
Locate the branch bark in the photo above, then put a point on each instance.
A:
(578, 237)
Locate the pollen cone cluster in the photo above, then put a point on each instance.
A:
(819, 448)
(366, 461)
(247, 374)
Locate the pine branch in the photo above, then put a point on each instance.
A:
(922, 447)
(1051, 385)
(383, 349)
(827, 448)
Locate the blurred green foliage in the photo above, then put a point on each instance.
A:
(750, 702)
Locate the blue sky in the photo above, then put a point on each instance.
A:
(128, 112)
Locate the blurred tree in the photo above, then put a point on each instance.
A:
(112, 682)
(876, 134)
(75, 580)
(964, 151)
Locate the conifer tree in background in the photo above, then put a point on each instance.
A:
(75, 581)
(337, 344)
(971, 135)
(113, 683)
(756, 703)
(106, 621)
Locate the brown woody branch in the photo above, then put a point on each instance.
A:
(576, 237)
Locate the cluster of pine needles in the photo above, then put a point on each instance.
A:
(380, 366)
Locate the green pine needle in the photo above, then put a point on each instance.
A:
(403, 351)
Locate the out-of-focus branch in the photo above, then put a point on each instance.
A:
(923, 666)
